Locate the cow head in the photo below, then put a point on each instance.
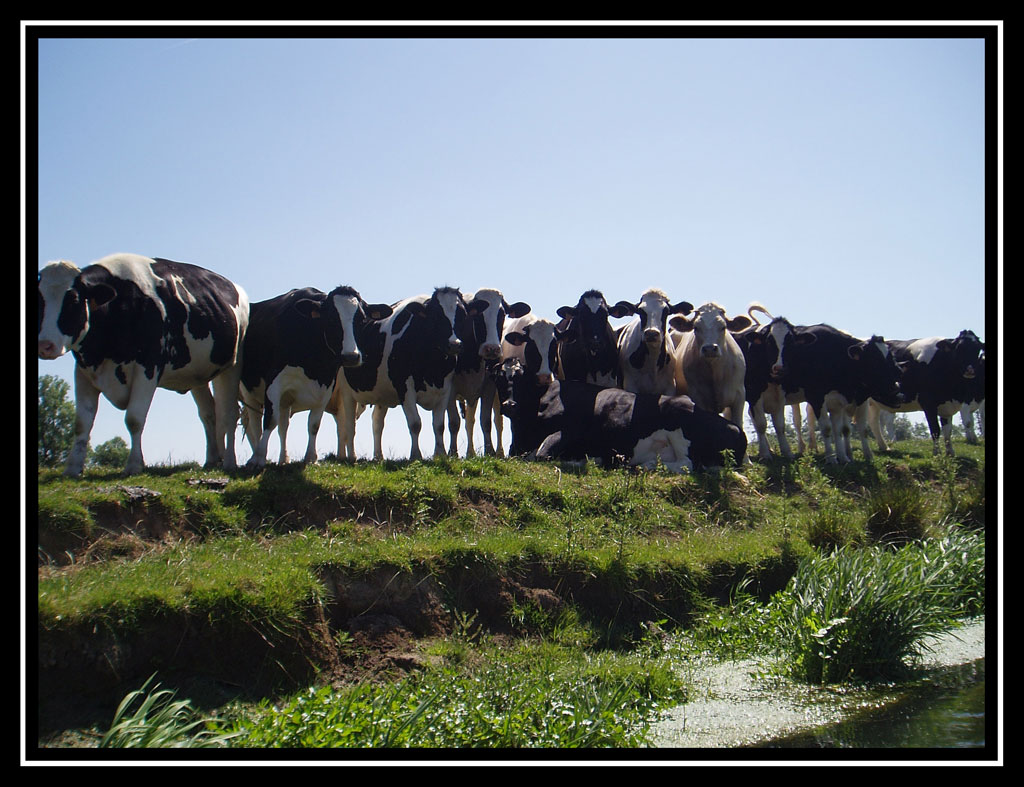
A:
(587, 321)
(341, 315)
(537, 339)
(66, 297)
(965, 354)
(489, 320)
(446, 318)
(709, 327)
(877, 369)
(654, 309)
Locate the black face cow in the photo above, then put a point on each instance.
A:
(938, 376)
(408, 361)
(838, 373)
(645, 352)
(295, 345)
(566, 419)
(135, 324)
(471, 385)
(587, 343)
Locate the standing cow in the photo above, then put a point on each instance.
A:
(645, 351)
(586, 348)
(532, 342)
(471, 385)
(135, 324)
(295, 345)
(938, 376)
(408, 361)
(709, 366)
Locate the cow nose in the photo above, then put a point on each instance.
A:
(710, 350)
(545, 378)
(47, 349)
(454, 346)
(490, 351)
(351, 359)
(777, 370)
(969, 373)
(652, 336)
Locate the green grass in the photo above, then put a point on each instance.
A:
(673, 549)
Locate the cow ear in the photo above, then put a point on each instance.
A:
(100, 294)
(566, 312)
(378, 311)
(308, 308)
(416, 308)
(946, 345)
(855, 351)
(517, 309)
(515, 338)
(683, 307)
(622, 309)
(804, 339)
(680, 323)
(739, 323)
(477, 307)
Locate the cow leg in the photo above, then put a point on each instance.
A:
(135, 414)
(487, 394)
(779, 424)
(931, 415)
(812, 435)
(875, 422)
(967, 416)
(316, 414)
(380, 412)
(87, 399)
(828, 434)
(947, 433)
(471, 408)
(764, 452)
(860, 418)
(798, 428)
(454, 422)
(283, 421)
(270, 418)
(681, 449)
(225, 398)
(208, 416)
(437, 423)
(251, 418)
(345, 420)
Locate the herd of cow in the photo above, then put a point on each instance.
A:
(668, 387)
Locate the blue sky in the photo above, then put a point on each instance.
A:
(837, 180)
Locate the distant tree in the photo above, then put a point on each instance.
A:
(113, 453)
(56, 420)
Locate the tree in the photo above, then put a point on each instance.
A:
(113, 453)
(56, 420)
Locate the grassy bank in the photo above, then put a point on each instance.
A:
(493, 579)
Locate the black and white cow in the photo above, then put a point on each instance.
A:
(645, 352)
(939, 375)
(765, 392)
(471, 385)
(408, 361)
(570, 420)
(532, 341)
(295, 345)
(586, 349)
(135, 324)
(838, 374)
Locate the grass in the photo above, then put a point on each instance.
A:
(626, 553)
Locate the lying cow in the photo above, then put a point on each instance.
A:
(135, 324)
(532, 341)
(570, 420)
(294, 348)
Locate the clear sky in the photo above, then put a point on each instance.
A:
(838, 179)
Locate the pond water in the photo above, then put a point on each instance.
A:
(946, 717)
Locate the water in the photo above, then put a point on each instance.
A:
(934, 717)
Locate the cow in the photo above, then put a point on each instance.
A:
(135, 324)
(645, 351)
(939, 375)
(765, 394)
(571, 420)
(709, 364)
(838, 374)
(295, 345)
(408, 361)
(532, 341)
(471, 384)
(586, 349)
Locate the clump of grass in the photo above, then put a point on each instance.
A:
(152, 718)
(865, 613)
(835, 523)
(897, 512)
